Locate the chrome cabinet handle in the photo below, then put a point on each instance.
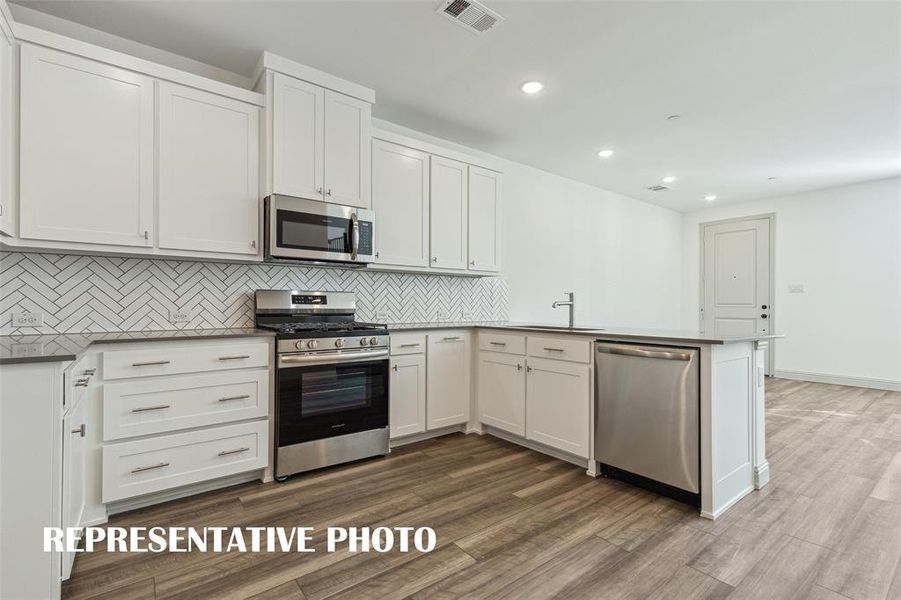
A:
(319, 190)
(151, 467)
(472, 263)
(80, 430)
(228, 398)
(81, 382)
(409, 345)
(395, 368)
(528, 369)
(451, 338)
(146, 235)
(355, 235)
(377, 254)
(89, 372)
(243, 356)
(554, 349)
(146, 408)
(434, 259)
(518, 367)
(253, 244)
(328, 192)
(498, 343)
(238, 451)
(151, 363)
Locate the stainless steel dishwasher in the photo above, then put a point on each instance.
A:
(647, 417)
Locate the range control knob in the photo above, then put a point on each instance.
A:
(373, 341)
(312, 343)
(299, 345)
(363, 341)
(339, 343)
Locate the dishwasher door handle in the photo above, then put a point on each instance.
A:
(664, 354)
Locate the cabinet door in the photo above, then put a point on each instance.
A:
(86, 150)
(347, 141)
(74, 431)
(484, 219)
(557, 404)
(448, 213)
(447, 385)
(502, 391)
(7, 138)
(209, 168)
(297, 142)
(407, 395)
(400, 199)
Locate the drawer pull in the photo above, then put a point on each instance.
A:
(81, 382)
(150, 468)
(238, 451)
(227, 398)
(234, 357)
(409, 345)
(498, 343)
(554, 349)
(151, 363)
(451, 338)
(89, 372)
(80, 430)
(146, 408)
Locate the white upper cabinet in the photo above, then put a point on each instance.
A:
(400, 199)
(448, 368)
(347, 141)
(86, 150)
(297, 142)
(484, 219)
(448, 208)
(320, 143)
(7, 136)
(209, 170)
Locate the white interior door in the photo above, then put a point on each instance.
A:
(737, 299)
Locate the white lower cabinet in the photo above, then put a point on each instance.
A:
(448, 377)
(74, 474)
(558, 397)
(502, 391)
(407, 395)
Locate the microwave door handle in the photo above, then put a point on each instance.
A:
(355, 236)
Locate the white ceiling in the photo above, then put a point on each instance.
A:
(808, 92)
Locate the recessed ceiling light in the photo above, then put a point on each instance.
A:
(710, 197)
(605, 153)
(668, 179)
(532, 87)
(673, 117)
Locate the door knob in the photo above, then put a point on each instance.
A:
(763, 316)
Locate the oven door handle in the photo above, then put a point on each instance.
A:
(287, 362)
(355, 236)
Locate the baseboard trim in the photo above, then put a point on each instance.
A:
(426, 435)
(877, 384)
(536, 446)
(761, 475)
(130, 504)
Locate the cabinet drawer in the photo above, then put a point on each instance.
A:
(572, 349)
(407, 343)
(119, 364)
(161, 463)
(502, 342)
(159, 405)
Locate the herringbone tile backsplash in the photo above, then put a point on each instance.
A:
(80, 294)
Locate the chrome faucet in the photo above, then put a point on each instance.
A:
(571, 303)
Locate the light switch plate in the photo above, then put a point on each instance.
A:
(796, 288)
(179, 315)
(28, 319)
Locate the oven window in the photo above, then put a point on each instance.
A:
(306, 231)
(330, 391)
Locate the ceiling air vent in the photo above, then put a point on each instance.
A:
(658, 188)
(472, 15)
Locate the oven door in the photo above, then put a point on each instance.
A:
(311, 230)
(322, 395)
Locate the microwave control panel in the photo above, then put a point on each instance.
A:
(365, 238)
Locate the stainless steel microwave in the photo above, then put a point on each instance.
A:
(300, 229)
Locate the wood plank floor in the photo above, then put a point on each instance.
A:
(512, 523)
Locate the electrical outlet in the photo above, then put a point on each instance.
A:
(441, 315)
(381, 314)
(28, 319)
(26, 350)
(466, 314)
(179, 315)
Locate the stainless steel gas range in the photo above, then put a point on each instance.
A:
(331, 383)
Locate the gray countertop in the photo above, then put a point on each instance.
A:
(64, 347)
(659, 336)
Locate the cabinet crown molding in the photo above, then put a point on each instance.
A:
(273, 62)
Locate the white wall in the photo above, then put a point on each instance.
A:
(844, 245)
(619, 255)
